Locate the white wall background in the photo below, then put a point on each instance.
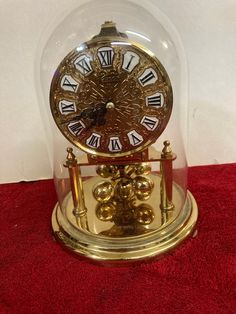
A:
(208, 32)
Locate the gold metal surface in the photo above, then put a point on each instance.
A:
(166, 167)
(103, 191)
(143, 187)
(149, 155)
(117, 196)
(105, 242)
(76, 188)
(107, 103)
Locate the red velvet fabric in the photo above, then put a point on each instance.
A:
(38, 276)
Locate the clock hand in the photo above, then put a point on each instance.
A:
(96, 114)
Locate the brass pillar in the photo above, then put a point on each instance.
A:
(76, 184)
(166, 168)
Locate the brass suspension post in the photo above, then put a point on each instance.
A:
(166, 167)
(80, 210)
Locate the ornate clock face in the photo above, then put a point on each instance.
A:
(111, 97)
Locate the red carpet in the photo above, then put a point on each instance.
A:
(37, 276)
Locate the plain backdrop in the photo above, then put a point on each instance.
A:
(208, 32)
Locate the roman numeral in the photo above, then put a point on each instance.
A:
(150, 123)
(114, 144)
(83, 65)
(105, 55)
(135, 138)
(155, 100)
(144, 80)
(148, 77)
(130, 61)
(67, 107)
(76, 127)
(69, 84)
(94, 140)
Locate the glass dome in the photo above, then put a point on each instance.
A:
(134, 204)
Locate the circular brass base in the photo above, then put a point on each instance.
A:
(143, 245)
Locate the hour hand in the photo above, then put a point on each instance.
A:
(96, 114)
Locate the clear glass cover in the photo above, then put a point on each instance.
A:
(144, 24)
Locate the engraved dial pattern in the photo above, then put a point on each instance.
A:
(111, 98)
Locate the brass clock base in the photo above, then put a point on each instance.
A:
(116, 244)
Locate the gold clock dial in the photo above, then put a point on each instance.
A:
(111, 97)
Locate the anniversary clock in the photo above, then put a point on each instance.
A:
(112, 97)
